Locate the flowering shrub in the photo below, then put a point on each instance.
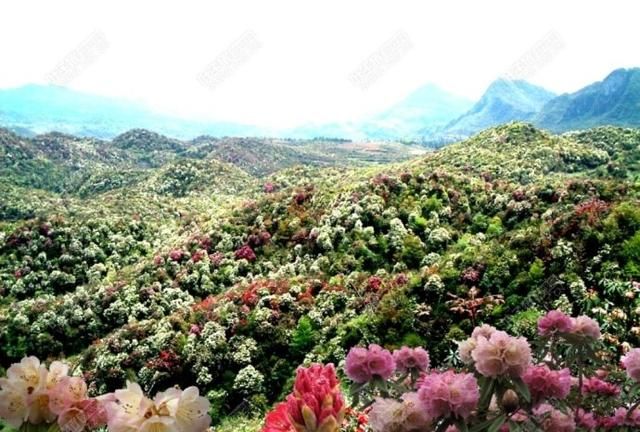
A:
(143, 284)
(504, 385)
(34, 396)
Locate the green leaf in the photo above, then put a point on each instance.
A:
(497, 423)
(487, 387)
(357, 387)
(522, 389)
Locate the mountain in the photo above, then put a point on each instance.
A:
(33, 109)
(502, 102)
(612, 101)
(425, 109)
(428, 106)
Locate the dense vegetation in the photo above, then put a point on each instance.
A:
(187, 270)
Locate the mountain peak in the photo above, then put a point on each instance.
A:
(503, 101)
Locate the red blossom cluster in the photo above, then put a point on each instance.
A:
(245, 252)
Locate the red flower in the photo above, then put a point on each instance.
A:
(374, 283)
(250, 297)
(277, 420)
(316, 404)
(175, 255)
(198, 255)
(245, 252)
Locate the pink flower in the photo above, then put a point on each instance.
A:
(546, 383)
(596, 385)
(66, 393)
(554, 321)
(501, 354)
(362, 364)
(631, 362)
(586, 327)
(449, 393)
(466, 347)
(269, 187)
(380, 362)
(411, 359)
(554, 420)
(24, 394)
(316, 403)
(586, 420)
(356, 366)
(408, 415)
(621, 418)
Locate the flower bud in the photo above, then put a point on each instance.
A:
(510, 401)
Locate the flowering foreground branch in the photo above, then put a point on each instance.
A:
(33, 397)
(555, 384)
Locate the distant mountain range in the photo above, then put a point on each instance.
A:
(37, 109)
(429, 114)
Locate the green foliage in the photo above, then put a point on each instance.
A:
(304, 337)
(631, 253)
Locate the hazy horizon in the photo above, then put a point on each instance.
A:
(284, 65)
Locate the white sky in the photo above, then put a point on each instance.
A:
(308, 50)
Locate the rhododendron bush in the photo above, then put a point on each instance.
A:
(559, 382)
(34, 397)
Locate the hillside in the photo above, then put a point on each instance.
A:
(63, 163)
(199, 273)
(613, 101)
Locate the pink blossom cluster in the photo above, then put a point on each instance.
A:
(544, 383)
(449, 394)
(631, 363)
(411, 359)
(556, 321)
(495, 353)
(406, 415)
(364, 364)
(32, 394)
(596, 385)
(553, 420)
(466, 347)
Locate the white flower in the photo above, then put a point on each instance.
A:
(190, 411)
(13, 402)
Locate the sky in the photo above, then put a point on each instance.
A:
(286, 63)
